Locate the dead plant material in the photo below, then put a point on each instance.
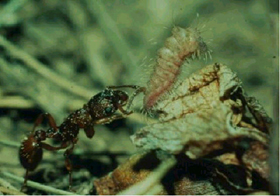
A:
(207, 110)
(121, 178)
(145, 174)
(36, 185)
(8, 191)
(209, 114)
(256, 158)
(219, 139)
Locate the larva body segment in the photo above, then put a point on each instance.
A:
(183, 44)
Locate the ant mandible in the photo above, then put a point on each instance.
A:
(100, 109)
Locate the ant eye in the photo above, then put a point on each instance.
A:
(108, 110)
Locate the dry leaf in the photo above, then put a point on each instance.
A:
(182, 179)
(205, 112)
(209, 112)
(215, 134)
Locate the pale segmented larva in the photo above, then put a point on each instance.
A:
(183, 44)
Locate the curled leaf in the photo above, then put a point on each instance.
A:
(209, 114)
(205, 112)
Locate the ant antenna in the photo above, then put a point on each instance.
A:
(138, 90)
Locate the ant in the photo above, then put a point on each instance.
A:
(100, 109)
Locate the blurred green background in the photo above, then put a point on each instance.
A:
(100, 43)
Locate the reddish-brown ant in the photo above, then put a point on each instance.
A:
(100, 109)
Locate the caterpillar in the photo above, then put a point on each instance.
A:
(183, 44)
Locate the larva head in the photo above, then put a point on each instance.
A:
(202, 47)
(188, 39)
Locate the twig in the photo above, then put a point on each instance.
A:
(10, 9)
(38, 186)
(16, 102)
(112, 32)
(236, 187)
(41, 69)
(6, 184)
(90, 45)
(260, 193)
(151, 181)
(10, 191)
(76, 152)
(10, 143)
(155, 190)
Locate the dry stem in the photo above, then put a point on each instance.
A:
(41, 69)
(16, 102)
(150, 184)
(10, 191)
(36, 185)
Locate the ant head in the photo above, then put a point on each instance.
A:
(111, 100)
(106, 103)
(121, 96)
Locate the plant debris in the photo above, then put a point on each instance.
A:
(207, 119)
(207, 111)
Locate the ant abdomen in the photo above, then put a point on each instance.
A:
(30, 153)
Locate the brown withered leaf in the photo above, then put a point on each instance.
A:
(182, 179)
(214, 83)
(122, 177)
(257, 110)
(206, 111)
(220, 133)
(256, 158)
(186, 134)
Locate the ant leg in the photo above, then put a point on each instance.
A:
(66, 155)
(68, 163)
(25, 180)
(53, 148)
(120, 107)
(108, 119)
(40, 118)
(124, 86)
(138, 90)
(89, 130)
(127, 112)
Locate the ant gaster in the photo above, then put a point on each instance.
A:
(100, 109)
